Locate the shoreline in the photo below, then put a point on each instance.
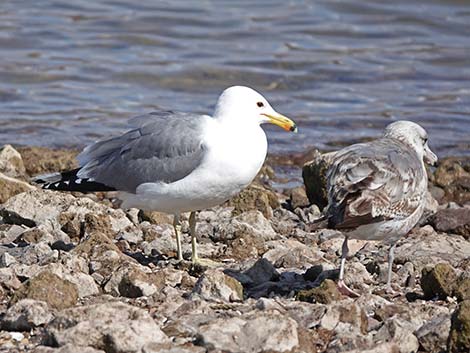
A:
(72, 264)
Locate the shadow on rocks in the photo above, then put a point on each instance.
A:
(264, 280)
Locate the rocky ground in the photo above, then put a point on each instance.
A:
(78, 275)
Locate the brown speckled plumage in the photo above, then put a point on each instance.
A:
(377, 190)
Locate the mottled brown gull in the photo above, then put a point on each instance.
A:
(377, 190)
(179, 162)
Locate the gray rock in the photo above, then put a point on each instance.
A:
(8, 279)
(453, 220)
(85, 284)
(26, 315)
(40, 254)
(386, 347)
(285, 221)
(158, 348)
(68, 348)
(63, 295)
(347, 339)
(298, 198)
(26, 271)
(309, 214)
(433, 335)
(262, 271)
(130, 237)
(251, 223)
(430, 208)
(103, 256)
(215, 285)
(9, 233)
(11, 163)
(357, 276)
(46, 207)
(184, 320)
(344, 312)
(112, 327)
(43, 234)
(6, 260)
(133, 281)
(289, 253)
(306, 315)
(406, 274)
(160, 239)
(426, 247)
(10, 187)
(264, 332)
(400, 332)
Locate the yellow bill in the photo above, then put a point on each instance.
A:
(282, 121)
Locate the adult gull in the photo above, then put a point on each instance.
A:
(179, 162)
(377, 190)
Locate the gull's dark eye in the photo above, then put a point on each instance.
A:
(425, 140)
(260, 104)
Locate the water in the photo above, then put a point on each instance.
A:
(74, 71)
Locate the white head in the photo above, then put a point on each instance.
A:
(245, 106)
(413, 135)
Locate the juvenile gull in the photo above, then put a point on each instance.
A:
(179, 162)
(377, 190)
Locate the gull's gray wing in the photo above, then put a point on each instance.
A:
(163, 147)
(372, 182)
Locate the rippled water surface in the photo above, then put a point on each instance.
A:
(74, 71)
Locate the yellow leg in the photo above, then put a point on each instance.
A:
(177, 226)
(192, 231)
(194, 257)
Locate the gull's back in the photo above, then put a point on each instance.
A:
(162, 147)
(378, 187)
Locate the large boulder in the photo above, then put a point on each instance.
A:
(314, 176)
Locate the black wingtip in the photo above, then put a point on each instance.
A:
(69, 181)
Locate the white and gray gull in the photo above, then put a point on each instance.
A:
(377, 190)
(179, 162)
